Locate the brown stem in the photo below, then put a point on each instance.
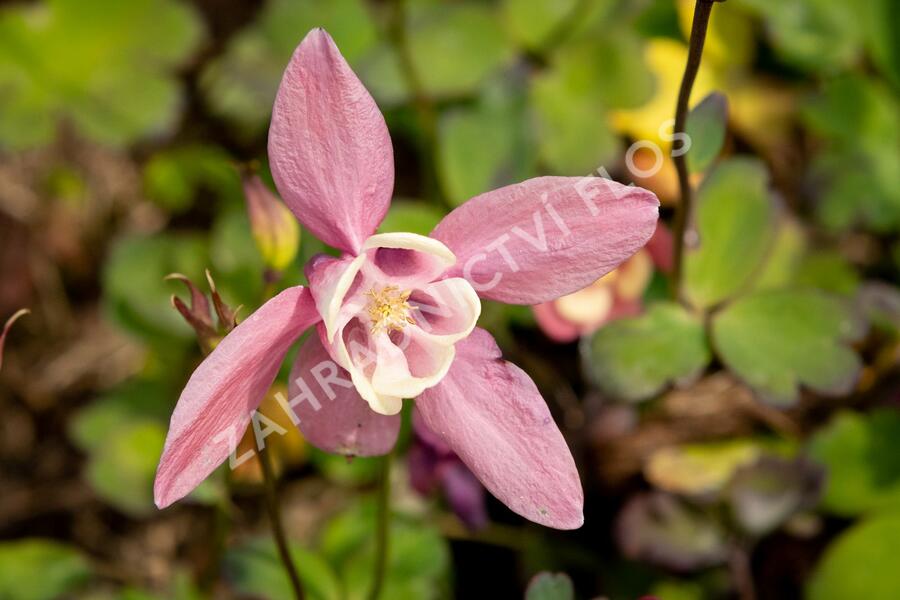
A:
(272, 507)
(702, 10)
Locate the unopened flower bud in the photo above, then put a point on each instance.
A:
(275, 230)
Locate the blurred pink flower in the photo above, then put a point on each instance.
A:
(434, 466)
(395, 313)
(617, 294)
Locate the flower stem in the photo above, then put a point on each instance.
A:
(382, 529)
(702, 10)
(272, 507)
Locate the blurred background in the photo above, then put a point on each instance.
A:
(742, 443)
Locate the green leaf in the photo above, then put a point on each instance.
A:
(35, 569)
(237, 264)
(573, 138)
(358, 471)
(414, 216)
(531, 22)
(784, 256)
(676, 589)
(860, 563)
(550, 586)
(778, 340)
(735, 222)
(122, 468)
(417, 566)
(173, 178)
(254, 568)
(634, 359)
(570, 100)
(135, 292)
(453, 48)
(485, 146)
(104, 66)
(817, 35)
(860, 121)
(134, 401)
(241, 84)
(862, 455)
(882, 16)
(853, 110)
(706, 124)
(828, 271)
(660, 529)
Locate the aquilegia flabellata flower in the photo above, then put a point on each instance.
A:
(395, 314)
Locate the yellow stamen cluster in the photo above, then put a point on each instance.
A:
(389, 309)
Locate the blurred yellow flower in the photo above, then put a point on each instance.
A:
(653, 120)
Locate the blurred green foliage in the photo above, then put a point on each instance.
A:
(105, 67)
(36, 569)
(789, 284)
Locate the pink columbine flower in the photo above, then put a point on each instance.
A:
(395, 314)
(617, 294)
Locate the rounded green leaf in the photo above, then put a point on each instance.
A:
(134, 290)
(35, 569)
(778, 340)
(453, 49)
(255, 569)
(634, 359)
(734, 218)
(862, 456)
(706, 124)
(417, 566)
(572, 96)
(783, 257)
(485, 146)
(860, 563)
(816, 35)
(122, 468)
(550, 586)
(136, 400)
(531, 22)
(106, 67)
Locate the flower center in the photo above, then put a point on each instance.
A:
(388, 309)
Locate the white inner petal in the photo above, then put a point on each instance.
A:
(392, 323)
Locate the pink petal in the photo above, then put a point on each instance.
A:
(333, 416)
(329, 147)
(492, 415)
(216, 404)
(546, 237)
